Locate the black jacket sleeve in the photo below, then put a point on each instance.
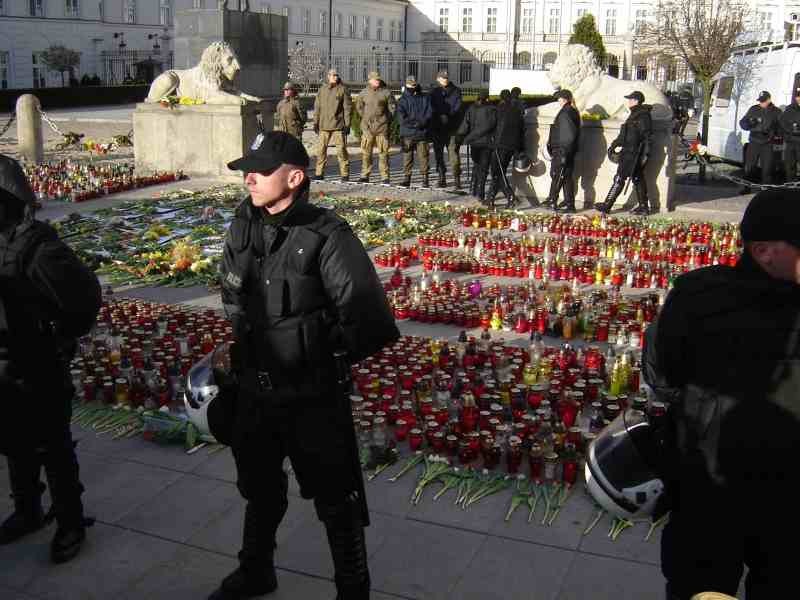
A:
(746, 122)
(233, 274)
(71, 289)
(365, 321)
(665, 349)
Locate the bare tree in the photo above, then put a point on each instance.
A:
(700, 33)
(306, 66)
(61, 59)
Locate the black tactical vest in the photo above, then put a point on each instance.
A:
(289, 318)
(738, 417)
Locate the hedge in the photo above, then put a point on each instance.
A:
(72, 97)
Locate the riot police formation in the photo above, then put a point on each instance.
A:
(631, 150)
(376, 107)
(332, 108)
(762, 121)
(790, 128)
(300, 290)
(447, 114)
(508, 140)
(723, 354)
(414, 114)
(48, 298)
(477, 131)
(289, 116)
(562, 145)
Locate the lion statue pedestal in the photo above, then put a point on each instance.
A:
(597, 93)
(198, 140)
(196, 120)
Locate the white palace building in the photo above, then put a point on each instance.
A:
(466, 37)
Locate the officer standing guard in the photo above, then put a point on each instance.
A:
(298, 287)
(631, 150)
(332, 108)
(48, 299)
(562, 145)
(447, 115)
(375, 105)
(761, 120)
(290, 117)
(790, 127)
(414, 113)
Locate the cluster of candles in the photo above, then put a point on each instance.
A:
(552, 310)
(139, 352)
(77, 181)
(482, 401)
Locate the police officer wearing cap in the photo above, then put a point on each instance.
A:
(790, 129)
(724, 355)
(762, 121)
(289, 116)
(562, 145)
(631, 151)
(298, 287)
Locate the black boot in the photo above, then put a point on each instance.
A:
(349, 552)
(457, 181)
(442, 183)
(643, 204)
(494, 187)
(613, 194)
(26, 490)
(406, 182)
(256, 573)
(61, 468)
(480, 183)
(568, 206)
(426, 182)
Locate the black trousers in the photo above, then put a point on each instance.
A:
(712, 535)
(759, 154)
(499, 159)
(481, 155)
(557, 181)
(48, 444)
(791, 156)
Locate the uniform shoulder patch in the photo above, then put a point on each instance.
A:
(233, 280)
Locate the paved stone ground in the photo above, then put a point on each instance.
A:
(169, 524)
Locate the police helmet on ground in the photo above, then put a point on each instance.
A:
(620, 473)
(205, 394)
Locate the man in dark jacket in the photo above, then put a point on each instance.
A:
(414, 113)
(507, 141)
(48, 298)
(447, 115)
(562, 144)
(477, 130)
(631, 149)
(516, 99)
(298, 287)
(790, 128)
(762, 121)
(723, 355)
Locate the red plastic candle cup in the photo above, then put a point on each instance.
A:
(415, 438)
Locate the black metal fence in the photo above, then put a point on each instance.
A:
(133, 66)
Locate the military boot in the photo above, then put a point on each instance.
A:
(613, 194)
(406, 182)
(255, 575)
(349, 552)
(26, 490)
(457, 181)
(426, 182)
(643, 205)
(442, 183)
(61, 468)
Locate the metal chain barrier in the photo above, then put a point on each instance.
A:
(6, 127)
(50, 122)
(702, 160)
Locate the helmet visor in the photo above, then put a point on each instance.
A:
(615, 452)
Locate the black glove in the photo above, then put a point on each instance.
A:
(612, 151)
(345, 131)
(443, 119)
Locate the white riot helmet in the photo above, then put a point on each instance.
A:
(203, 385)
(619, 471)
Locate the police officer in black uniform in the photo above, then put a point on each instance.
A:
(562, 144)
(724, 354)
(48, 298)
(631, 149)
(790, 128)
(762, 121)
(298, 287)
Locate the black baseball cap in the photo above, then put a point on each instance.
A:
(637, 95)
(269, 151)
(772, 215)
(764, 96)
(15, 184)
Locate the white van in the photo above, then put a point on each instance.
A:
(766, 66)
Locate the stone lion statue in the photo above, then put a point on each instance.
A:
(576, 70)
(210, 81)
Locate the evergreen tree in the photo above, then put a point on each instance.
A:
(585, 32)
